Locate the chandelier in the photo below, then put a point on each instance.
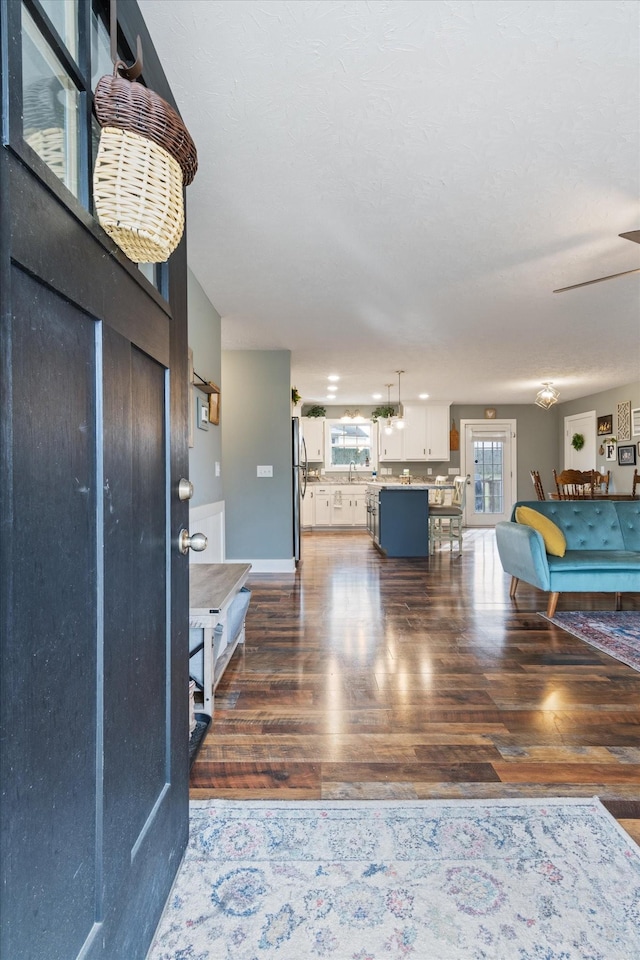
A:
(546, 397)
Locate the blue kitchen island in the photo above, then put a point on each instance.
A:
(398, 518)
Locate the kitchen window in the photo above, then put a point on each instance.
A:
(350, 442)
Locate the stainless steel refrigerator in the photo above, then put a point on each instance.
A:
(300, 467)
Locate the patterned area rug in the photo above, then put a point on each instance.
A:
(614, 632)
(428, 880)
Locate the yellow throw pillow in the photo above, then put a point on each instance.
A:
(554, 539)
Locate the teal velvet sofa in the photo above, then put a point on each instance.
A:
(602, 548)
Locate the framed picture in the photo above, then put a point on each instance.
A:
(214, 405)
(610, 451)
(635, 421)
(627, 455)
(624, 420)
(605, 425)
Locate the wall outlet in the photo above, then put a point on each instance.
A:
(264, 471)
(453, 471)
(429, 470)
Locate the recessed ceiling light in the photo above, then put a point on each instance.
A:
(376, 396)
(423, 396)
(333, 376)
(331, 387)
(331, 396)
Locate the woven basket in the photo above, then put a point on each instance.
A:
(137, 190)
(121, 103)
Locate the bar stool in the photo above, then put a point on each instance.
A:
(453, 513)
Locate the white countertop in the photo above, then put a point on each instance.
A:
(381, 484)
(409, 486)
(334, 482)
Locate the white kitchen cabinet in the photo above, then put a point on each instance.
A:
(425, 436)
(307, 512)
(335, 505)
(390, 446)
(414, 435)
(348, 506)
(339, 507)
(313, 433)
(359, 509)
(322, 507)
(438, 432)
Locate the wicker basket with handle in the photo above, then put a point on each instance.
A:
(145, 158)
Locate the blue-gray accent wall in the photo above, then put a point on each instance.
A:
(204, 340)
(605, 403)
(256, 430)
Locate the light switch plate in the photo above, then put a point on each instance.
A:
(265, 471)
(217, 469)
(202, 418)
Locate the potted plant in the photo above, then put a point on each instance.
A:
(295, 396)
(316, 411)
(383, 413)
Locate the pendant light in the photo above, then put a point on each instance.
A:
(388, 429)
(546, 397)
(400, 417)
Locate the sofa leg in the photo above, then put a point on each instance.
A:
(618, 601)
(552, 604)
(513, 587)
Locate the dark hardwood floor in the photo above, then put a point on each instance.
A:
(364, 677)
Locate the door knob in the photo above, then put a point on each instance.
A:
(185, 489)
(197, 542)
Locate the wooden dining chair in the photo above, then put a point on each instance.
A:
(636, 483)
(537, 485)
(573, 484)
(600, 481)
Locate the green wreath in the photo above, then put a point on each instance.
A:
(577, 441)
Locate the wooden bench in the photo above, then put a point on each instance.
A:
(218, 603)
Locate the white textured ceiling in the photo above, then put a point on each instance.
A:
(401, 184)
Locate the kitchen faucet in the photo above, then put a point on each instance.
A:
(352, 463)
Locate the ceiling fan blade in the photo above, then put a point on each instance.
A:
(631, 235)
(587, 283)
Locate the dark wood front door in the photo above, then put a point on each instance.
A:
(93, 591)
